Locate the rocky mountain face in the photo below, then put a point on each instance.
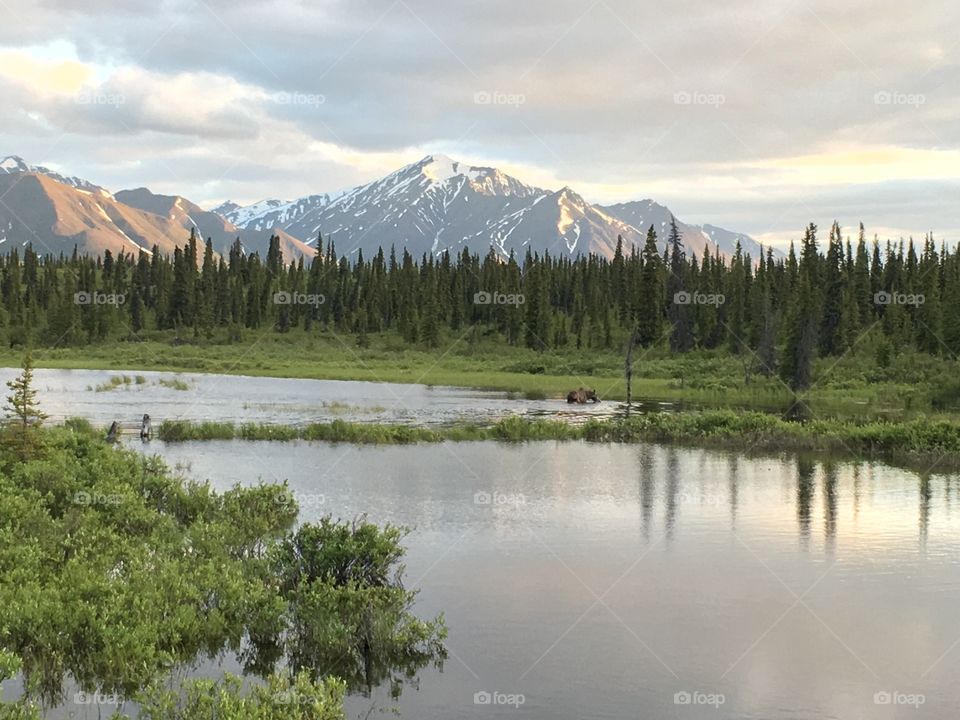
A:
(57, 213)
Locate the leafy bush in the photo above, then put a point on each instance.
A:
(115, 573)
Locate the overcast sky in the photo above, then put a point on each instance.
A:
(756, 115)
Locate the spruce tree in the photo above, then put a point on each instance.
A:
(24, 412)
(800, 352)
(680, 313)
(831, 342)
(652, 291)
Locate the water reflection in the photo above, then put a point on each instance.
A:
(806, 470)
(829, 506)
(648, 490)
(856, 491)
(926, 493)
(673, 487)
(733, 488)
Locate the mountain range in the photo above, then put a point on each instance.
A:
(429, 206)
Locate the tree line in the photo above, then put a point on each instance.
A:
(778, 312)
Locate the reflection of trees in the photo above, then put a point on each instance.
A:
(805, 493)
(830, 504)
(926, 495)
(647, 488)
(856, 491)
(734, 487)
(673, 486)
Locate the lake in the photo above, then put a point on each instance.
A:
(608, 581)
(605, 581)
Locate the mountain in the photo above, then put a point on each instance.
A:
(642, 214)
(57, 213)
(16, 164)
(208, 224)
(56, 217)
(271, 213)
(429, 206)
(440, 204)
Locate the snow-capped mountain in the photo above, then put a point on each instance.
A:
(429, 206)
(440, 204)
(268, 214)
(16, 164)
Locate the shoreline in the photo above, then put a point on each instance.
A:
(917, 444)
(707, 382)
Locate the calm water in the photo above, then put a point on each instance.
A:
(74, 393)
(600, 581)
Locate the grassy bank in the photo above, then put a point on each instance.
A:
(853, 387)
(915, 442)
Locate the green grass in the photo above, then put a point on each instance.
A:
(916, 442)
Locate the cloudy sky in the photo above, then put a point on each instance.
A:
(756, 115)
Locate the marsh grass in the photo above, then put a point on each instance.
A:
(900, 442)
(115, 382)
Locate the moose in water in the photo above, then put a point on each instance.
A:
(582, 397)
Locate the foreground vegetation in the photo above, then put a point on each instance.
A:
(913, 442)
(116, 575)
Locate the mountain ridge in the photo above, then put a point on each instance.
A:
(433, 205)
(57, 213)
(425, 206)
